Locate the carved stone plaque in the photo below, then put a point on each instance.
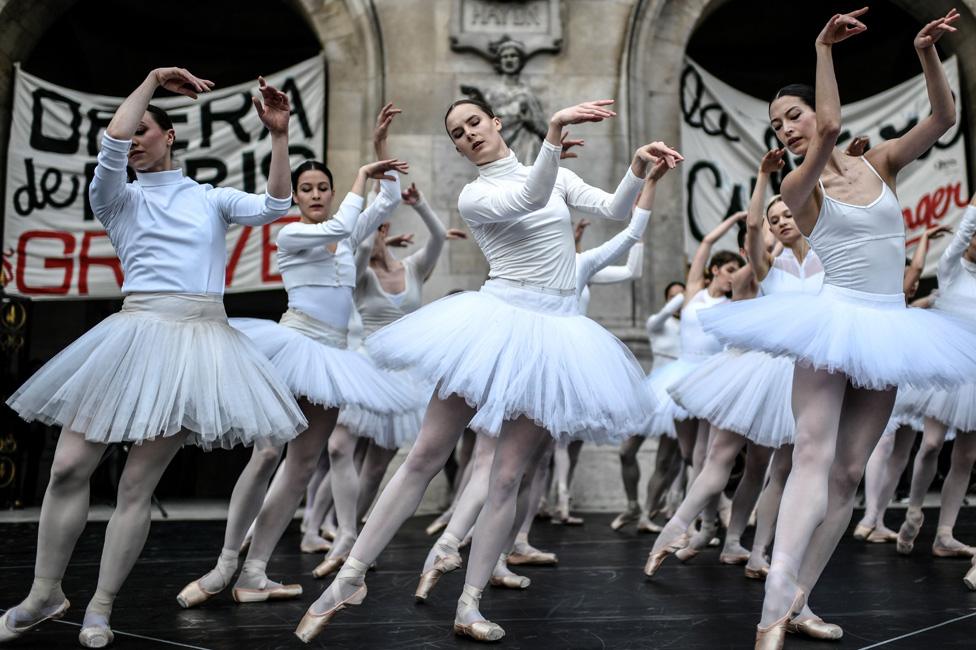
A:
(477, 25)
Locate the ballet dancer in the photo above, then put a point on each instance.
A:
(503, 358)
(664, 337)
(745, 395)
(165, 371)
(846, 340)
(444, 555)
(308, 348)
(954, 408)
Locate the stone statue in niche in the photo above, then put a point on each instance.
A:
(524, 122)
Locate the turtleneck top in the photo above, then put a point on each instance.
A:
(520, 216)
(168, 230)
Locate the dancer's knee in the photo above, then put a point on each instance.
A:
(67, 476)
(845, 477)
(265, 459)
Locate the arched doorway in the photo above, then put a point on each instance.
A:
(108, 48)
(663, 31)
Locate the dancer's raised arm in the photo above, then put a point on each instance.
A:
(792, 113)
(759, 258)
(893, 155)
(696, 274)
(128, 115)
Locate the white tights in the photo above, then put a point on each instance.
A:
(768, 507)
(884, 468)
(371, 475)
(64, 513)
(818, 499)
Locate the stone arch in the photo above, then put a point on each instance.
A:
(658, 35)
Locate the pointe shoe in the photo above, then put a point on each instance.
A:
(254, 595)
(315, 547)
(194, 594)
(654, 560)
(970, 578)
(816, 628)
(8, 633)
(624, 518)
(881, 537)
(312, 624)
(510, 582)
(534, 557)
(733, 558)
(963, 551)
(480, 630)
(861, 532)
(96, 636)
(907, 534)
(647, 525)
(756, 574)
(429, 578)
(328, 566)
(774, 636)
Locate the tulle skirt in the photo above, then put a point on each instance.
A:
(165, 362)
(955, 407)
(872, 338)
(512, 351)
(656, 385)
(312, 359)
(396, 429)
(907, 410)
(747, 392)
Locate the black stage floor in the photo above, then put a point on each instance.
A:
(596, 598)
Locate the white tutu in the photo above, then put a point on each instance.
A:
(164, 363)
(907, 410)
(955, 407)
(747, 392)
(872, 338)
(512, 350)
(311, 357)
(396, 429)
(656, 385)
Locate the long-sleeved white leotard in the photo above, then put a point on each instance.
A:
(168, 230)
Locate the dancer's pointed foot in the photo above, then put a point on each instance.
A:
(970, 578)
(862, 530)
(468, 620)
(909, 530)
(440, 523)
(524, 553)
(809, 624)
(882, 535)
(443, 558)
(314, 543)
(502, 576)
(254, 586)
(646, 524)
(945, 545)
(95, 631)
(212, 583)
(18, 620)
(757, 568)
(628, 516)
(733, 553)
(698, 542)
(663, 548)
(314, 621)
(337, 555)
(773, 635)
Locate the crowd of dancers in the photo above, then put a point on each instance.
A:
(799, 348)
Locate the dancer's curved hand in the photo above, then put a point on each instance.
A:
(594, 111)
(932, 32)
(659, 167)
(275, 111)
(772, 161)
(840, 27)
(650, 153)
(379, 169)
(937, 231)
(180, 80)
(455, 233)
(400, 241)
(858, 146)
(411, 195)
(567, 145)
(383, 121)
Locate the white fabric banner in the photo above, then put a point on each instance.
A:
(724, 133)
(53, 246)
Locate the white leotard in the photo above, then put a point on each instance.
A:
(695, 342)
(320, 282)
(664, 332)
(787, 274)
(862, 247)
(520, 217)
(957, 275)
(167, 229)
